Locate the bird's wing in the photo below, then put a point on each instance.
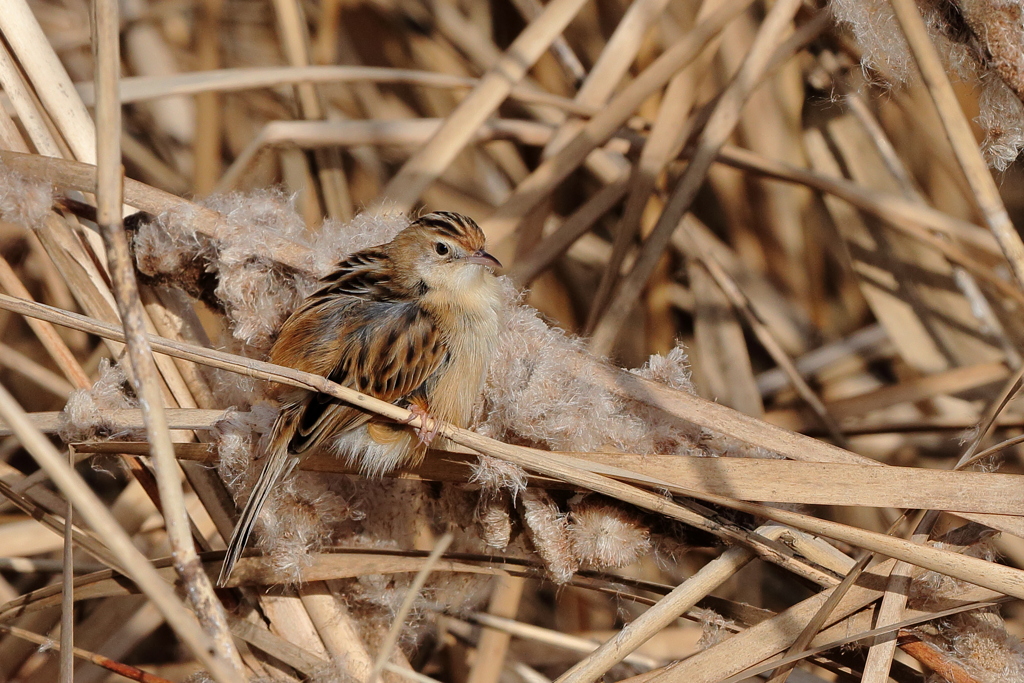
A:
(364, 275)
(386, 350)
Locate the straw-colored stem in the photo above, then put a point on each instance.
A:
(141, 88)
(493, 644)
(31, 120)
(958, 130)
(146, 380)
(719, 127)
(546, 177)
(387, 645)
(98, 517)
(329, 169)
(15, 361)
(417, 174)
(206, 145)
(664, 613)
(337, 629)
(554, 638)
(597, 478)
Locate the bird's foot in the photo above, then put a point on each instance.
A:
(429, 427)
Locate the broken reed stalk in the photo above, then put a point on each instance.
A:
(596, 478)
(228, 664)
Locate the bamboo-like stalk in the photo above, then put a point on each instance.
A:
(492, 647)
(147, 383)
(543, 180)
(434, 157)
(724, 118)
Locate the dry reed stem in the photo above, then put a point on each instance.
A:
(142, 88)
(40, 375)
(130, 420)
(958, 130)
(580, 473)
(665, 612)
(554, 638)
(197, 585)
(126, 670)
(427, 164)
(300, 659)
(96, 514)
(492, 647)
(17, 91)
(719, 127)
(762, 480)
(328, 166)
(336, 629)
(411, 132)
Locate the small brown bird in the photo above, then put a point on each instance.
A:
(412, 322)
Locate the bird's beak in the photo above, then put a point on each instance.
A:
(482, 258)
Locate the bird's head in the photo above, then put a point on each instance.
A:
(444, 251)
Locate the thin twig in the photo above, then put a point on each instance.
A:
(388, 644)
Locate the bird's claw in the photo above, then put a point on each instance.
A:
(429, 427)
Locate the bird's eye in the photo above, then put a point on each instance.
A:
(441, 248)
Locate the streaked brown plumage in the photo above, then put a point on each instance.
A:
(412, 322)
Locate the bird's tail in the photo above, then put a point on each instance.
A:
(279, 463)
